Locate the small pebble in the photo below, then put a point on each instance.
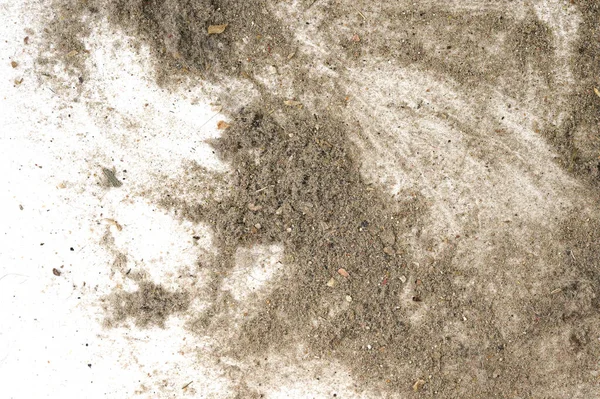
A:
(343, 272)
(331, 282)
(348, 298)
(403, 279)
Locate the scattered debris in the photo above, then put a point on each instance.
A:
(343, 272)
(56, 272)
(216, 29)
(418, 385)
(222, 125)
(187, 385)
(18, 81)
(331, 282)
(72, 53)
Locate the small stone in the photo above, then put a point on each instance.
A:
(403, 279)
(369, 347)
(258, 226)
(289, 229)
(14, 64)
(331, 282)
(418, 385)
(389, 251)
(348, 298)
(343, 272)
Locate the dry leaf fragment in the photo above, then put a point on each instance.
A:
(418, 385)
(597, 92)
(216, 29)
(343, 272)
(222, 125)
(56, 272)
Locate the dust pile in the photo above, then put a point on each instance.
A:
(408, 305)
(149, 305)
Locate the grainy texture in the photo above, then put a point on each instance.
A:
(445, 155)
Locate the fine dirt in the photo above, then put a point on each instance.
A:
(430, 170)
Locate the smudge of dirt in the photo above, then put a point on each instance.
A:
(150, 305)
(413, 306)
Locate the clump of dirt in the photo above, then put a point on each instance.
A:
(150, 305)
(179, 35)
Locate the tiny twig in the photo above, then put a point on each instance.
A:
(264, 188)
